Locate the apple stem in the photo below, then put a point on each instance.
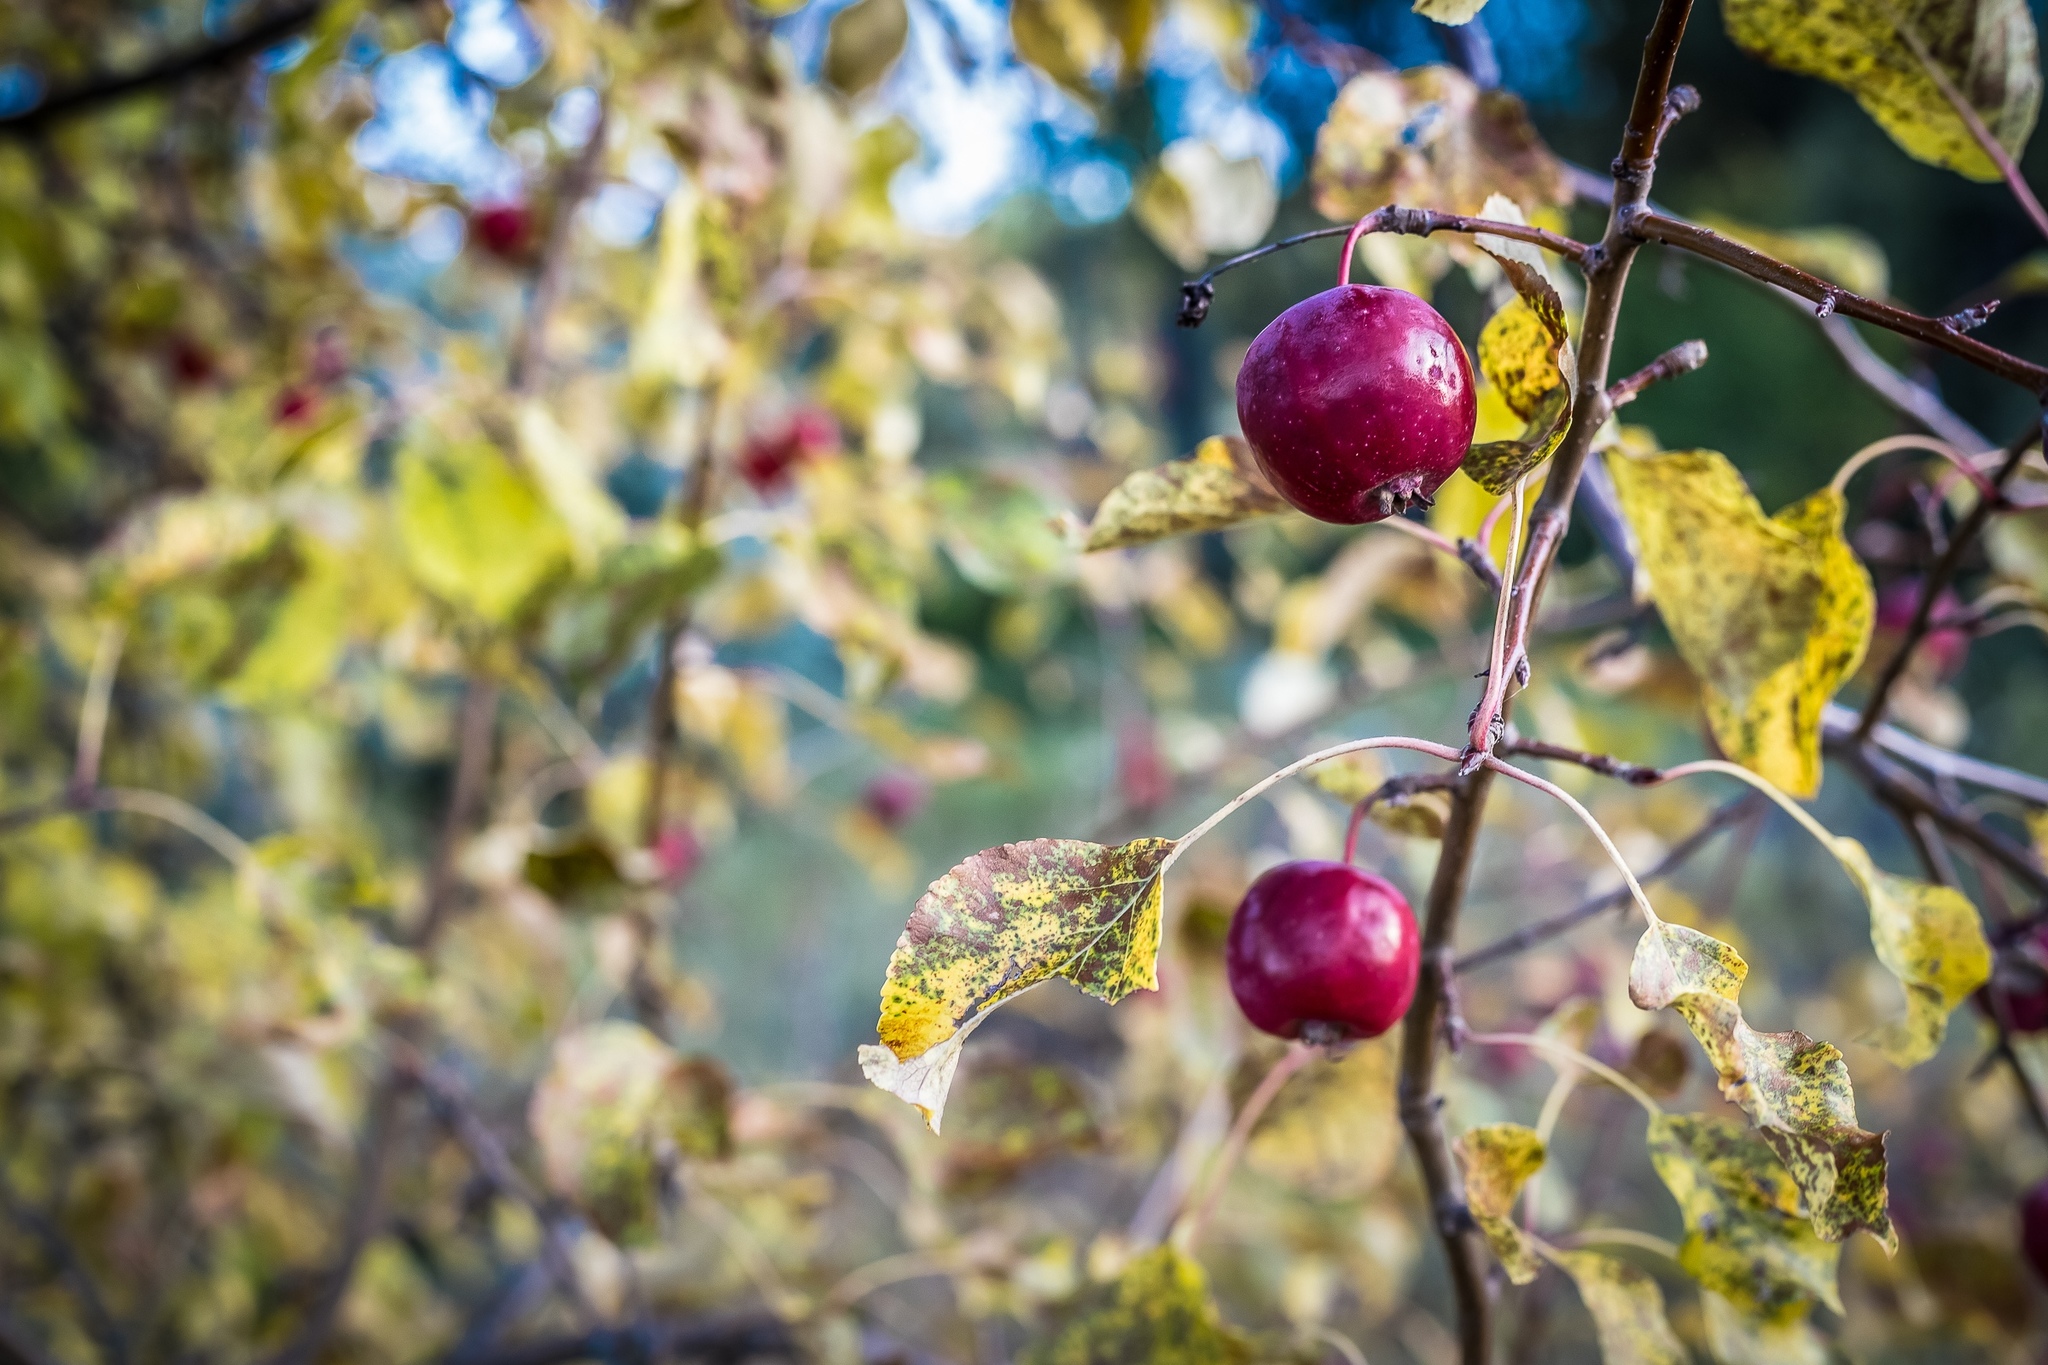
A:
(1188, 1235)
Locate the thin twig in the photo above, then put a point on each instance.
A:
(1635, 774)
(2008, 169)
(1938, 578)
(1839, 722)
(1645, 226)
(172, 70)
(1683, 358)
(93, 712)
(1543, 930)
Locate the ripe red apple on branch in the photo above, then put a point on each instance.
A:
(1324, 952)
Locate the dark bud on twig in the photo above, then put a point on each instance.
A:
(1826, 307)
(1195, 298)
(1971, 318)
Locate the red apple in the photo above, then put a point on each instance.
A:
(1323, 951)
(502, 229)
(895, 797)
(1358, 402)
(2034, 1228)
(808, 434)
(294, 405)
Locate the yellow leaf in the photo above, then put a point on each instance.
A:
(1627, 1309)
(1450, 11)
(1795, 1091)
(1498, 1159)
(1910, 63)
(1081, 43)
(1219, 485)
(305, 638)
(1430, 138)
(1772, 613)
(863, 42)
(678, 339)
(1734, 1338)
(1197, 203)
(1526, 356)
(615, 1104)
(1838, 255)
(1005, 920)
(475, 533)
(1158, 1311)
(1331, 1134)
(1747, 1235)
(1930, 938)
(594, 521)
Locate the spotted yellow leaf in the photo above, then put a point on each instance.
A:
(1158, 1310)
(1929, 937)
(1914, 66)
(1627, 1309)
(1747, 1237)
(1498, 1159)
(1525, 354)
(1430, 138)
(1005, 920)
(1772, 613)
(1794, 1090)
(1219, 485)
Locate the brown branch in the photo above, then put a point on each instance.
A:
(1916, 401)
(1938, 579)
(1642, 225)
(1421, 1107)
(741, 1336)
(1839, 722)
(170, 71)
(476, 732)
(1635, 774)
(1896, 787)
(576, 183)
(1683, 358)
(1543, 930)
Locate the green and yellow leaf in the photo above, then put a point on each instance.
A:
(1158, 1310)
(1734, 1338)
(1928, 936)
(1219, 485)
(1005, 920)
(1497, 1160)
(1748, 1239)
(1914, 66)
(1795, 1090)
(1772, 613)
(1450, 11)
(1082, 44)
(1197, 202)
(863, 42)
(475, 533)
(1430, 138)
(1627, 1309)
(1526, 354)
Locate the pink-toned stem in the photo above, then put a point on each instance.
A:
(1297, 1056)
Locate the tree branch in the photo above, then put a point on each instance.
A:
(1839, 722)
(183, 66)
(1939, 577)
(1421, 1106)
(1900, 789)
(1642, 225)
(1543, 930)
(1683, 358)
(1635, 774)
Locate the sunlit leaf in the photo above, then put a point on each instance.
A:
(1526, 355)
(1430, 138)
(615, 1104)
(1158, 1310)
(1928, 936)
(1002, 922)
(863, 42)
(1747, 1239)
(678, 338)
(1197, 203)
(1909, 63)
(1450, 11)
(1772, 613)
(475, 533)
(306, 636)
(1839, 255)
(1796, 1091)
(1219, 485)
(593, 520)
(1497, 1160)
(1627, 1308)
(1082, 44)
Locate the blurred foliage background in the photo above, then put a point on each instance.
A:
(426, 437)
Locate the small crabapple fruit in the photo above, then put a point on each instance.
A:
(1322, 951)
(1358, 403)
